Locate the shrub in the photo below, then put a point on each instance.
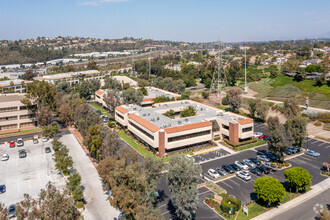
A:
(217, 138)
(187, 112)
(270, 104)
(317, 123)
(324, 117)
(326, 126)
(205, 95)
(229, 202)
(80, 205)
(241, 143)
(310, 114)
(225, 101)
(111, 124)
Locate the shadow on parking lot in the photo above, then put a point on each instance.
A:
(253, 196)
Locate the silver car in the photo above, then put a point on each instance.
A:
(270, 166)
(249, 163)
(245, 175)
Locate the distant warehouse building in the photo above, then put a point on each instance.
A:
(14, 115)
(13, 86)
(166, 134)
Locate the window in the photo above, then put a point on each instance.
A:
(225, 127)
(10, 118)
(23, 108)
(247, 129)
(141, 130)
(120, 116)
(182, 137)
(26, 125)
(26, 116)
(8, 109)
(8, 127)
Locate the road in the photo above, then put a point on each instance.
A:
(308, 209)
(98, 206)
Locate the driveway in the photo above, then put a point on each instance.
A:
(98, 206)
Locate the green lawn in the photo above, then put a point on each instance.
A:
(258, 143)
(97, 107)
(254, 210)
(22, 132)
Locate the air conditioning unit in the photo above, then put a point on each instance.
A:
(186, 120)
(179, 122)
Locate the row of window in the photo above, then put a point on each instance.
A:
(141, 130)
(247, 129)
(186, 136)
(122, 118)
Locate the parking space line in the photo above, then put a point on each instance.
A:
(327, 147)
(204, 192)
(322, 143)
(227, 184)
(234, 182)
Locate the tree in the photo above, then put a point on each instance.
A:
(51, 204)
(182, 180)
(298, 178)
(296, 130)
(153, 169)
(269, 189)
(233, 72)
(252, 107)
(144, 91)
(44, 116)
(63, 162)
(63, 87)
(234, 98)
(3, 211)
(73, 181)
(110, 144)
(65, 113)
(276, 141)
(112, 100)
(262, 109)
(188, 112)
(321, 80)
(95, 85)
(132, 96)
(84, 90)
(290, 108)
(205, 95)
(29, 75)
(92, 65)
(112, 83)
(50, 130)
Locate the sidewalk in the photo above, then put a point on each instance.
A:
(317, 189)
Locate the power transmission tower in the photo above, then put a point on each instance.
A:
(219, 79)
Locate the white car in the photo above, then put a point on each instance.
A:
(213, 173)
(189, 157)
(5, 157)
(249, 163)
(242, 165)
(245, 175)
(257, 134)
(20, 142)
(44, 139)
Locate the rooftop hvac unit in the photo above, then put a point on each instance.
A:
(157, 118)
(152, 119)
(186, 120)
(144, 115)
(179, 122)
(134, 109)
(220, 114)
(164, 126)
(148, 114)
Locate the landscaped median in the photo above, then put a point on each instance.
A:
(244, 145)
(33, 130)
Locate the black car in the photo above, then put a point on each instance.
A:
(264, 169)
(222, 171)
(22, 153)
(256, 161)
(236, 167)
(270, 156)
(228, 168)
(2, 188)
(255, 171)
(48, 150)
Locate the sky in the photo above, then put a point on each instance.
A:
(176, 20)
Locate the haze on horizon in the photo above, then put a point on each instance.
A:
(190, 21)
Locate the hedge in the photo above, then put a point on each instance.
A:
(226, 206)
(241, 143)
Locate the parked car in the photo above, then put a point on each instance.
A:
(256, 161)
(266, 138)
(12, 144)
(11, 211)
(189, 157)
(255, 171)
(242, 165)
(312, 153)
(5, 157)
(105, 119)
(262, 137)
(222, 171)
(291, 150)
(236, 167)
(249, 163)
(264, 169)
(245, 175)
(45, 139)
(213, 173)
(263, 158)
(228, 168)
(2, 188)
(35, 139)
(20, 142)
(97, 111)
(270, 166)
(270, 156)
(22, 153)
(48, 150)
(257, 134)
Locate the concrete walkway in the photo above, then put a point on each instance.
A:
(317, 189)
(98, 206)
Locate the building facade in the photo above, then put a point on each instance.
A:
(165, 134)
(14, 115)
(13, 86)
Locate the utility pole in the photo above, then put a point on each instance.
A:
(245, 88)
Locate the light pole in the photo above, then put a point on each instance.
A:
(245, 88)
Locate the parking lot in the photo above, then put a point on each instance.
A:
(29, 174)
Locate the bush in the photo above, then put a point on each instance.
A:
(80, 204)
(225, 101)
(241, 143)
(324, 117)
(205, 95)
(216, 139)
(317, 123)
(326, 126)
(270, 104)
(229, 202)
(111, 124)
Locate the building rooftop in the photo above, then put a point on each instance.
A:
(155, 115)
(11, 97)
(15, 81)
(66, 75)
(154, 92)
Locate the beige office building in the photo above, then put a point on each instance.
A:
(14, 115)
(166, 134)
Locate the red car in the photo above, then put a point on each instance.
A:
(12, 144)
(263, 136)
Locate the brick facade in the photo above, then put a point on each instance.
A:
(233, 133)
(161, 148)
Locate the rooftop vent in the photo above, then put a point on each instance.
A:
(164, 126)
(144, 115)
(179, 122)
(157, 118)
(134, 109)
(152, 119)
(186, 120)
(148, 114)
